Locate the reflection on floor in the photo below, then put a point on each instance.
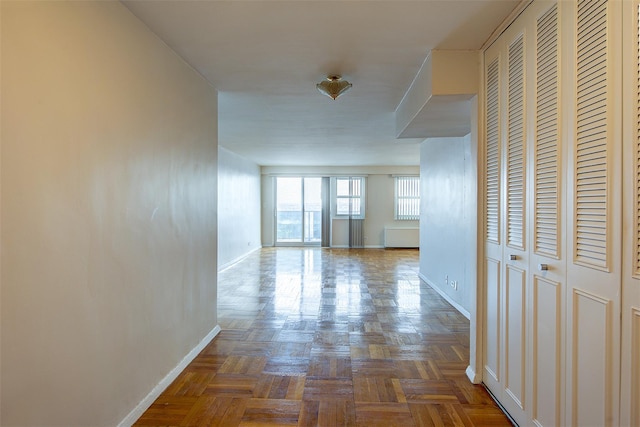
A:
(329, 337)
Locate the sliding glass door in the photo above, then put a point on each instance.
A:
(298, 210)
(312, 232)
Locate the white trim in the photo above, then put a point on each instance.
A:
(167, 380)
(472, 375)
(365, 247)
(455, 305)
(226, 265)
(311, 175)
(515, 13)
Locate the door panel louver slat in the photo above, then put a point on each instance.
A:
(592, 174)
(546, 141)
(515, 145)
(492, 167)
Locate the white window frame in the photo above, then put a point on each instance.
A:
(360, 197)
(398, 184)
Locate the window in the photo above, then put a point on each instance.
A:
(298, 210)
(407, 198)
(350, 196)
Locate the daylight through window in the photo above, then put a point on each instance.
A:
(407, 198)
(350, 196)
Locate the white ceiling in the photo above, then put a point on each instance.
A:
(265, 58)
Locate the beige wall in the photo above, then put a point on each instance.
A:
(238, 207)
(108, 215)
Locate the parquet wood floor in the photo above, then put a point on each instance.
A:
(329, 337)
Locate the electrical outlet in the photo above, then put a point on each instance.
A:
(454, 284)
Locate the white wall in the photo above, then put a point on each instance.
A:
(448, 218)
(238, 207)
(267, 209)
(379, 200)
(109, 177)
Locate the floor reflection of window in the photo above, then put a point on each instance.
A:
(408, 296)
(288, 281)
(298, 281)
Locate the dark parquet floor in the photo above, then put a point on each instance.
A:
(329, 337)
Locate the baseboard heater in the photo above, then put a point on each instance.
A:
(401, 237)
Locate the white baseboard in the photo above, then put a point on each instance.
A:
(365, 247)
(226, 265)
(457, 306)
(167, 380)
(472, 375)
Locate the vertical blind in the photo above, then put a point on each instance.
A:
(407, 198)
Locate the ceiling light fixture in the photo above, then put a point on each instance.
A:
(333, 86)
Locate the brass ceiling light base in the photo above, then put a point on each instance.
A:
(333, 86)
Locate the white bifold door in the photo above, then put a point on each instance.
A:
(553, 209)
(630, 337)
(525, 270)
(594, 214)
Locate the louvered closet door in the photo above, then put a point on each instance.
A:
(516, 256)
(547, 279)
(506, 220)
(527, 303)
(630, 345)
(493, 237)
(594, 212)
